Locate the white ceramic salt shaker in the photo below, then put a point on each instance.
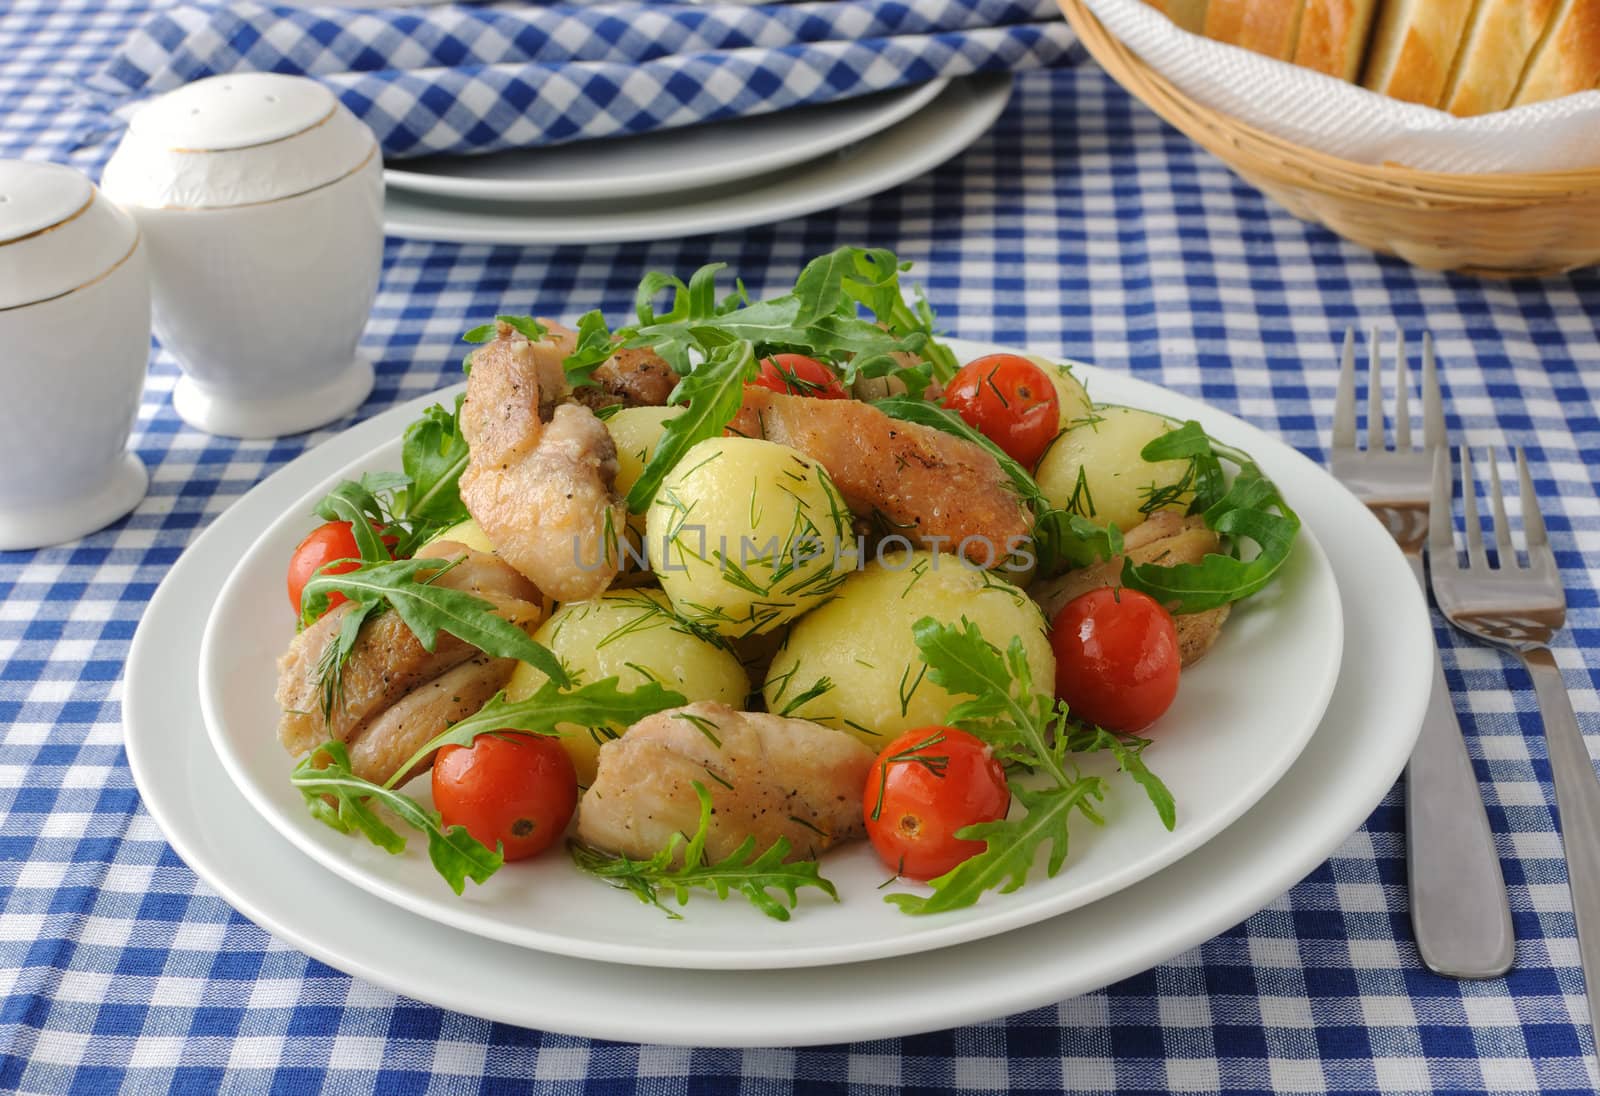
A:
(261, 200)
(74, 344)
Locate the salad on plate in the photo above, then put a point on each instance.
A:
(701, 596)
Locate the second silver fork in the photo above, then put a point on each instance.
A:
(1459, 910)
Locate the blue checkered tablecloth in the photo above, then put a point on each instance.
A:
(1082, 226)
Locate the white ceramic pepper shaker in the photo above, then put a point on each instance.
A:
(261, 200)
(74, 344)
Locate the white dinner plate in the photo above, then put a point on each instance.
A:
(1350, 763)
(954, 119)
(665, 162)
(1219, 748)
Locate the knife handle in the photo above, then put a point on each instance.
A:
(1459, 910)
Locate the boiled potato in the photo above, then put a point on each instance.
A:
(1070, 392)
(466, 533)
(1094, 469)
(632, 635)
(636, 432)
(746, 535)
(854, 664)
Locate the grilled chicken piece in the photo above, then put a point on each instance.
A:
(933, 488)
(768, 776)
(541, 490)
(388, 664)
(387, 741)
(1165, 538)
(631, 378)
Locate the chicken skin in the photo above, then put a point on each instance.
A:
(925, 484)
(540, 486)
(768, 776)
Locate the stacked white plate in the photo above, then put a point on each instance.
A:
(1282, 740)
(684, 182)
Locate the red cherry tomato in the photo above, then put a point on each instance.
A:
(798, 375)
(926, 785)
(514, 790)
(322, 545)
(1116, 658)
(1009, 399)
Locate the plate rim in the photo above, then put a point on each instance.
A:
(911, 99)
(978, 981)
(825, 183)
(922, 934)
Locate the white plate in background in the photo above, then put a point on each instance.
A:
(650, 165)
(954, 119)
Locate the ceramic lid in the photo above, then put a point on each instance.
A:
(57, 232)
(236, 140)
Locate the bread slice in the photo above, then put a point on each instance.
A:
(1500, 38)
(1333, 36)
(1414, 48)
(1189, 15)
(1568, 60)
(1265, 26)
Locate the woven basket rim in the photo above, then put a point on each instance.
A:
(1258, 154)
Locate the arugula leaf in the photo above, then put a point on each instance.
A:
(434, 454)
(326, 772)
(354, 503)
(714, 393)
(428, 609)
(595, 705)
(526, 326)
(1251, 508)
(1128, 750)
(1025, 729)
(1065, 539)
(593, 347)
(742, 871)
(874, 282)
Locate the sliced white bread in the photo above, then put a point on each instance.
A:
(1333, 36)
(1500, 38)
(1568, 60)
(1265, 26)
(1190, 15)
(1414, 48)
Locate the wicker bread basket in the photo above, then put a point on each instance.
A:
(1499, 225)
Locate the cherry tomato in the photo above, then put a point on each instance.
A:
(514, 790)
(926, 785)
(1116, 658)
(798, 375)
(1009, 399)
(322, 545)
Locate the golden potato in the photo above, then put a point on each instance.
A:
(1070, 392)
(854, 664)
(1094, 469)
(747, 534)
(466, 533)
(632, 635)
(637, 430)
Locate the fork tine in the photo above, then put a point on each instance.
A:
(1476, 557)
(1441, 519)
(1502, 528)
(1432, 402)
(1402, 401)
(1539, 553)
(1344, 401)
(1374, 393)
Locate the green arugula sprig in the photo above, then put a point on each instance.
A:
(408, 587)
(326, 774)
(457, 856)
(713, 393)
(1251, 508)
(1026, 729)
(742, 871)
(598, 704)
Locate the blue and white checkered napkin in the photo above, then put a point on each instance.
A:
(478, 79)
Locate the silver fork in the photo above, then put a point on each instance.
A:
(1459, 910)
(1521, 609)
